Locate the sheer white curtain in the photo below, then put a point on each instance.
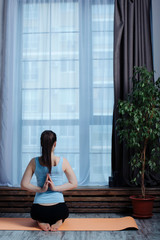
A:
(60, 61)
(9, 170)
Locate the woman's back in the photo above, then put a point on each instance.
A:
(49, 197)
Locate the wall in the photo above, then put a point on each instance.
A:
(156, 36)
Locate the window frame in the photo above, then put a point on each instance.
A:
(85, 90)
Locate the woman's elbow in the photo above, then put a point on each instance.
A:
(75, 184)
(23, 185)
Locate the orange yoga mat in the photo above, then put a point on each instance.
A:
(72, 224)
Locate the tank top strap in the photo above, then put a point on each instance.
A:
(37, 162)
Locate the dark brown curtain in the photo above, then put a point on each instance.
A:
(132, 47)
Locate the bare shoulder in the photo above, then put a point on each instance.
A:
(69, 172)
(30, 169)
(32, 164)
(66, 164)
(32, 161)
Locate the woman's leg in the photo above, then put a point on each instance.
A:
(44, 226)
(54, 227)
(38, 214)
(60, 214)
(49, 217)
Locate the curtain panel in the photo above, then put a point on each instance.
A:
(7, 101)
(132, 47)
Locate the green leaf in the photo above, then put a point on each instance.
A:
(139, 120)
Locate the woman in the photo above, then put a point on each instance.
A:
(49, 208)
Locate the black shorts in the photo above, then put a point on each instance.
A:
(49, 214)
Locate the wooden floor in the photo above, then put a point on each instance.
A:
(149, 229)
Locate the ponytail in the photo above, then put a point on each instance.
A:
(48, 138)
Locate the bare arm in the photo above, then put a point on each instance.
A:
(25, 182)
(72, 180)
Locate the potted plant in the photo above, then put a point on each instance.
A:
(138, 127)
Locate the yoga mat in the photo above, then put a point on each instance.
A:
(72, 224)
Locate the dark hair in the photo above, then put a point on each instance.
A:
(48, 138)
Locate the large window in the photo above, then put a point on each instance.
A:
(67, 82)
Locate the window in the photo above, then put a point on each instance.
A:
(67, 82)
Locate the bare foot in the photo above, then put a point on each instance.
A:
(54, 227)
(44, 226)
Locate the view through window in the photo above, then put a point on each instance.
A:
(67, 82)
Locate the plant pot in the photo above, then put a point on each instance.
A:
(142, 207)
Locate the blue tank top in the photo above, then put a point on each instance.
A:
(57, 178)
